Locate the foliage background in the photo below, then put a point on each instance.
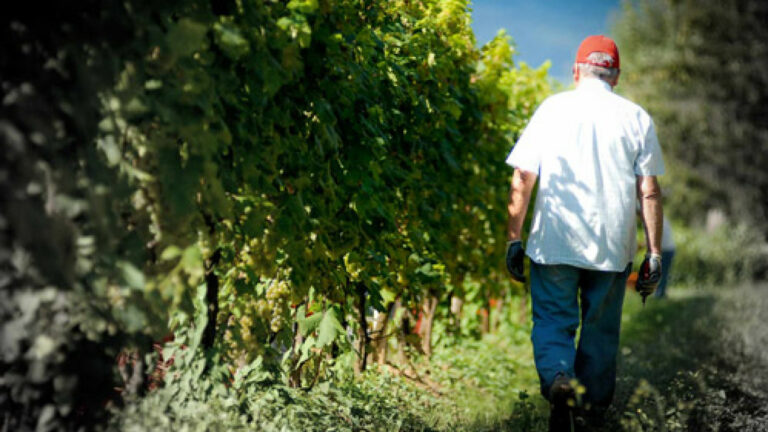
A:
(699, 67)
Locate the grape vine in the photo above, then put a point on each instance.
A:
(295, 183)
(337, 157)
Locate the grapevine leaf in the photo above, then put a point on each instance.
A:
(303, 6)
(306, 348)
(185, 37)
(230, 40)
(192, 262)
(388, 295)
(329, 328)
(308, 324)
(132, 275)
(375, 299)
(169, 253)
(201, 317)
(132, 317)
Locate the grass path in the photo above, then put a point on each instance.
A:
(697, 361)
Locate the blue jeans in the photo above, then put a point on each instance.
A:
(666, 266)
(555, 298)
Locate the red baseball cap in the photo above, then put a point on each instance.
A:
(598, 43)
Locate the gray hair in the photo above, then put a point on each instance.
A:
(600, 72)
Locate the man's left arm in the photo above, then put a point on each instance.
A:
(651, 213)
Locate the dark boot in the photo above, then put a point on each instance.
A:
(592, 419)
(562, 399)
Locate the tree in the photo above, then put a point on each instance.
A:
(700, 69)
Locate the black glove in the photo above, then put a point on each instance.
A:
(649, 275)
(515, 255)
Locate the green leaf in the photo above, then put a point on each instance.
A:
(231, 40)
(133, 318)
(303, 6)
(186, 37)
(201, 317)
(109, 147)
(285, 23)
(387, 295)
(169, 253)
(309, 324)
(305, 348)
(329, 328)
(192, 262)
(375, 298)
(44, 345)
(132, 275)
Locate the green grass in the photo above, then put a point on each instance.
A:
(479, 385)
(694, 361)
(679, 363)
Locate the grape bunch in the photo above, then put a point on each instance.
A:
(278, 296)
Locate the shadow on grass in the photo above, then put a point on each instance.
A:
(665, 351)
(678, 367)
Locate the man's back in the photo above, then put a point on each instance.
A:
(587, 146)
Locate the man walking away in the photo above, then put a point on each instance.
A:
(594, 154)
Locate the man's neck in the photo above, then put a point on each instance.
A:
(592, 82)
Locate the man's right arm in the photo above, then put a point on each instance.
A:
(519, 196)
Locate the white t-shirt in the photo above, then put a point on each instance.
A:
(587, 146)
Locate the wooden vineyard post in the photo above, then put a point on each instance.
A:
(428, 307)
(379, 335)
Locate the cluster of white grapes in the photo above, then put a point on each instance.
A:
(276, 306)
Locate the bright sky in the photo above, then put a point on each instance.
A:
(544, 29)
